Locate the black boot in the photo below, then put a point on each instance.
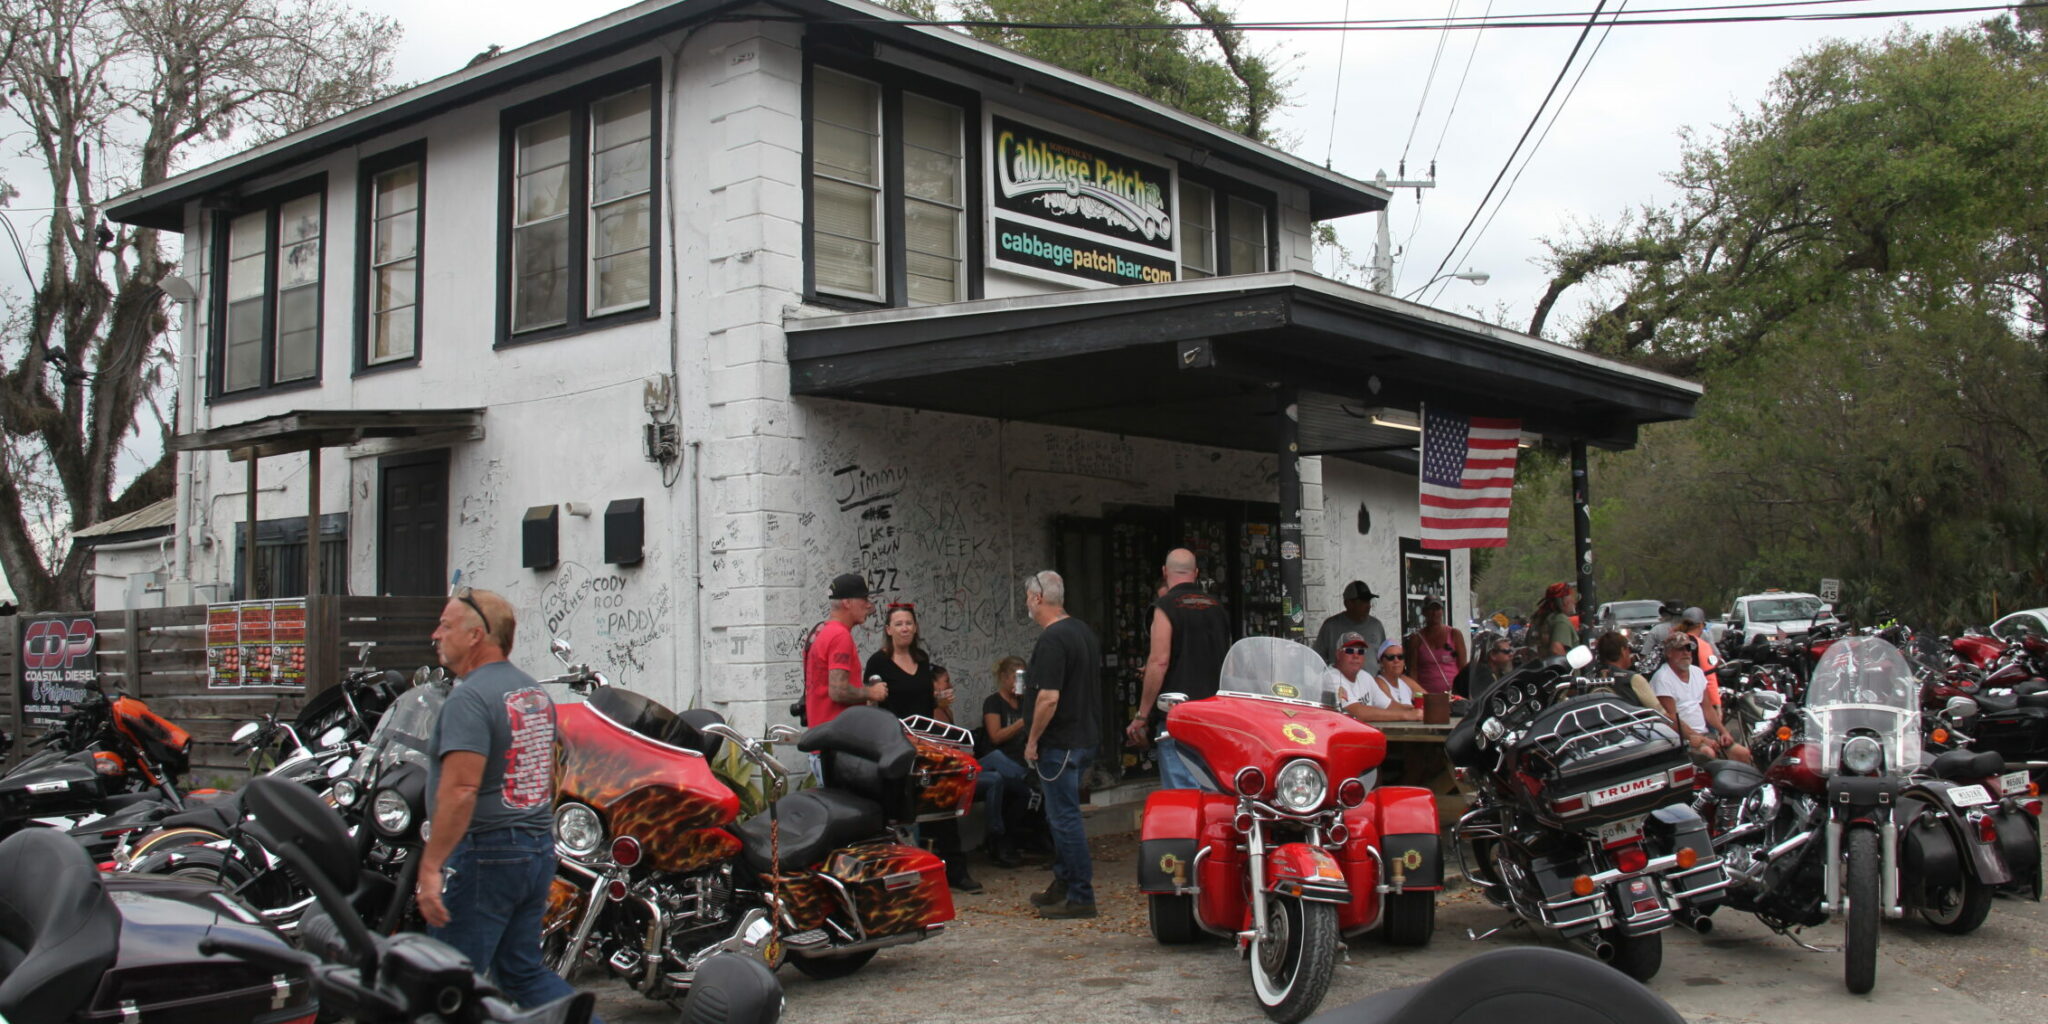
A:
(1003, 852)
(957, 876)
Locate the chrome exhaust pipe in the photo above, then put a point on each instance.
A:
(1604, 950)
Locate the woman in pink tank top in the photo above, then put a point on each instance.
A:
(1436, 652)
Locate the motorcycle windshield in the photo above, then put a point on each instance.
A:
(405, 734)
(1268, 666)
(1863, 685)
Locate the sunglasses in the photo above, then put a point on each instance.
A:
(905, 605)
(1351, 650)
(1393, 657)
(463, 596)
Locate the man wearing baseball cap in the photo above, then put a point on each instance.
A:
(1355, 618)
(831, 662)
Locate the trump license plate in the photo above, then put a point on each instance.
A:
(1610, 794)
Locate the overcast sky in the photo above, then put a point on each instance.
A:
(1606, 154)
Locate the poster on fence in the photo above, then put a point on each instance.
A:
(256, 643)
(59, 664)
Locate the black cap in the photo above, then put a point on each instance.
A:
(1356, 590)
(848, 584)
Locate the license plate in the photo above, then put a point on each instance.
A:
(1969, 796)
(1615, 833)
(1640, 786)
(2014, 782)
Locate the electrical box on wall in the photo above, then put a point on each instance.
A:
(625, 528)
(540, 537)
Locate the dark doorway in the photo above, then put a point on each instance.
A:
(412, 524)
(1425, 573)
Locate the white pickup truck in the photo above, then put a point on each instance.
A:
(1778, 610)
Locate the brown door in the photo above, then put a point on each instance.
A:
(412, 524)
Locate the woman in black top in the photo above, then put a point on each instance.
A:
(916, 686)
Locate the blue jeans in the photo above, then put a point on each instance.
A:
(1061, 770)
(496, 893)
(998, 774)
(1174, 773)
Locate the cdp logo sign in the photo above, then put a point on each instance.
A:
(57, 644)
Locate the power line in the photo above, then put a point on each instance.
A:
(1442, 134)
(1337, 92)
(1531, 158)
(1443, 39)
(1533, 120)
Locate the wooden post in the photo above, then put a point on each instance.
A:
(312, 521)
(249, 536)
(1293, 622)
(133, 628)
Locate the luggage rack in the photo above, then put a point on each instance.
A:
(940, 732)
(1609, 723)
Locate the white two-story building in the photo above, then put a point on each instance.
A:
(657, 324)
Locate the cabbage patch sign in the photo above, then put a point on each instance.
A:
(59, 664)
(1069, 209)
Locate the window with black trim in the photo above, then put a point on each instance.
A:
(388, 302)
(268, 261)
(580, 217)
(1222, 233)
(889, 193)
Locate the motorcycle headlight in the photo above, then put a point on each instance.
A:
(390, 812)
(1301, 787)
(577, 830)
(1862, 755)
(346, 792)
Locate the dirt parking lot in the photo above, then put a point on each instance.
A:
(998, 963)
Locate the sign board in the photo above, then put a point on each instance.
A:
(1831, 590)
(59, 666)
(256, 643)
(1070, 210)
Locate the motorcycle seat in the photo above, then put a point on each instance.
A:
(868, 733)
(1996, 702)
(2033, 700)
(814, 822)
(219, 815)
(1967, 764)
(1510, 986)
(59, 932)
(2031, 686)
(1732, 780)
(687, 731)
(123, 801)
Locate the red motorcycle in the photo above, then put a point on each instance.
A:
(1285, 848)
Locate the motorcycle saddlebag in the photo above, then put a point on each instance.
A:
(897, 889)
(161, 978)
(1600, 759)
(2019, 838)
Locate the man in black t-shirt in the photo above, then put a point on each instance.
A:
(1065, 682)
(1190, 636)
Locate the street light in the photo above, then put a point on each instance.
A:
(1474, 276)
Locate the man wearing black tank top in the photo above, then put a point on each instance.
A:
(1190, 636)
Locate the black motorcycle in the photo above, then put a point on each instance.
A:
(1579, 819)
(109, 767)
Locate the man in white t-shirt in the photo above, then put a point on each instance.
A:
(1360, 695)
(1682, 688)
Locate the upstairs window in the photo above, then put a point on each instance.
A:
(1248, 253)
(269, 267)
(393, 205)
(1222, 233)
(580, 223)
(888, 193)
(1197, 231)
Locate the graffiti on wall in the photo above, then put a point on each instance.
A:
(610, 616)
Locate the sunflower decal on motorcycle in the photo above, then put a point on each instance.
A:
(1298, 732)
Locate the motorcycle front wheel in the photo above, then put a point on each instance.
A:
(1292, 964)
(1958, 909)
(1859, 968)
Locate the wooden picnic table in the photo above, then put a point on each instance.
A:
(1420, 747)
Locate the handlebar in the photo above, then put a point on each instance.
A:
(752, 750)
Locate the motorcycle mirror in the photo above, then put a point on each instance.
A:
(1578, 657)
(1959, 708)
(363, 649)
(1167, 701)
(340, 767)
(243, 732)
(334, 736)
(561, 649)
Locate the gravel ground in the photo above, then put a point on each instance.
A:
(999, 963)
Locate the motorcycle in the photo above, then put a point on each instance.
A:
(1285, 848)
(343, 714)
(1580, 820)
(1818, 833)
(108, 757)
(1973, 826)
(656, 877)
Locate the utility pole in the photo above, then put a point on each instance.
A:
(1383, 245)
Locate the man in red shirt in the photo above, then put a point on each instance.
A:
(831, 663)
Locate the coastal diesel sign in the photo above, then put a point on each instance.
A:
(1069, 209)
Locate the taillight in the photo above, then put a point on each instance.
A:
(1683, 776)
(1987, 829)
(625, 851)
(1631, 859)
(1568, 805)
(2032, 807)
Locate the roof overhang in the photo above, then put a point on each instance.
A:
(1203, 361)
(146, 523)
(329, 428)
(163, 205)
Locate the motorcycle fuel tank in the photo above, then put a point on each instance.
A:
(1799, 768)
(1231, 732)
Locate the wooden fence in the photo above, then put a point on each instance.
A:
(159, 656)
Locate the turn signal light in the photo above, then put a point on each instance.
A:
(1784, 732)
(1249, 781)
(1631, 859)
(1938, 736)
(1687, 858)
(625, 851)
(2033, 789)
(1351, 792)
(1583, 885)
(615, 891)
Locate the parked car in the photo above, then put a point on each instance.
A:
(1627, 616)
(2033, 620)
(1776, 611)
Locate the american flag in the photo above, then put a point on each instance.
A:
(1468, 478)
